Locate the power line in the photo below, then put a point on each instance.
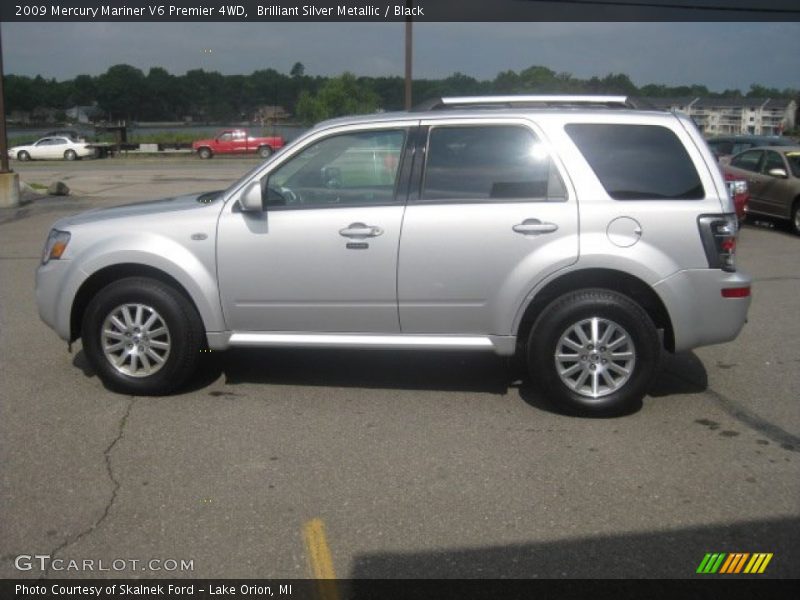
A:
(744, 9)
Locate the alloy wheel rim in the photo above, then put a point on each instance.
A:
(595, 357)
(135, 340)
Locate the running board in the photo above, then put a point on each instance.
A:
(504, 345)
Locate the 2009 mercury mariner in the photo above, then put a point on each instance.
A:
(581, 232)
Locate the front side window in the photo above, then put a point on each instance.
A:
(638, 162)
(347, 169)
(494, 162)
(748, 161)
(772, 160)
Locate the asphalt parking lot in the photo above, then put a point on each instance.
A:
(389, 464)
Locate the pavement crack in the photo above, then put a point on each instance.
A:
(115, 485)
(747, 417)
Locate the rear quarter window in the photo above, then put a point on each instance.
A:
(638, 162)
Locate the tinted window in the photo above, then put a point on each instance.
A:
(356, 168)
(496, 162)
(794, 162)
(637, 161)
(748, 161)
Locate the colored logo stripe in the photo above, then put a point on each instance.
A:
(724, 563)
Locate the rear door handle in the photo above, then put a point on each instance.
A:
(360, 231)
(534, 227)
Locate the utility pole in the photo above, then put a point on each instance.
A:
(408, 57)
(3, 137)
(9, 181)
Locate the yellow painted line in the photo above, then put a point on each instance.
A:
(319, 559)
(765, 563)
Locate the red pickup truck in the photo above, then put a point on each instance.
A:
(237, 141)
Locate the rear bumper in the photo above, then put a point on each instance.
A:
(700, 314)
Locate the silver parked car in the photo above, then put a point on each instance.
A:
(575, 230)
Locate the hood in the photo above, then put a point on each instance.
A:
(151, 208)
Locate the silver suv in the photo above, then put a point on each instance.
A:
(575, 231)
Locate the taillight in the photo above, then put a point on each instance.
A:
(718, 233)
(736, 187)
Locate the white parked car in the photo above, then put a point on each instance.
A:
(53, 147)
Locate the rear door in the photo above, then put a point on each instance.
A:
(487, 219)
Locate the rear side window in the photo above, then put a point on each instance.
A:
(638, 162)
(488, 163)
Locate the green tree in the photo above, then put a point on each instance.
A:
(343, 95)
(121, 91)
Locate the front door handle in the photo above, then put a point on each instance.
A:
(534, 227)
(360, 231)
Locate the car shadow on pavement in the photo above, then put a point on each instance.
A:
(682, 373)
(651, 554)
(392, 369)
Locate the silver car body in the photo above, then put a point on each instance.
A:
(440, 275)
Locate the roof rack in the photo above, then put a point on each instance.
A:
(528, 101)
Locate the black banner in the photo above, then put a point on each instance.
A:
(395, 589)
(399, 10)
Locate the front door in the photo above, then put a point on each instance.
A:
(322, 257)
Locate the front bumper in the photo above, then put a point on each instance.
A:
(50, 296)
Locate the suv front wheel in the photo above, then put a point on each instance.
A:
(594, 352)
(142, 336)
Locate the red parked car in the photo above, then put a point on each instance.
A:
(238, 141)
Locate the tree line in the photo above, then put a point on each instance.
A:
(125, 92)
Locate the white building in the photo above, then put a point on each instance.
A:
(732, 116)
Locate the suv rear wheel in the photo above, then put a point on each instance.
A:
(594, 352)
(142, 337)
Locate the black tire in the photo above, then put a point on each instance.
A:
(184, 338)
(795, 222)
(265, 151)
(70, 155)
(22, 155)
(205, 153)
(633, 332)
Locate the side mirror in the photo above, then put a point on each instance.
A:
(251, 199)
(778, 173)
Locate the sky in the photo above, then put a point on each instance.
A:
(718, 55)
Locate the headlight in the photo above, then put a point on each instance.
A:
(55, 246)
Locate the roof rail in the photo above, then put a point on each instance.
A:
(527, 101)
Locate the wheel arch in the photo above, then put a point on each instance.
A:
(107, 275)
(610, 279)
